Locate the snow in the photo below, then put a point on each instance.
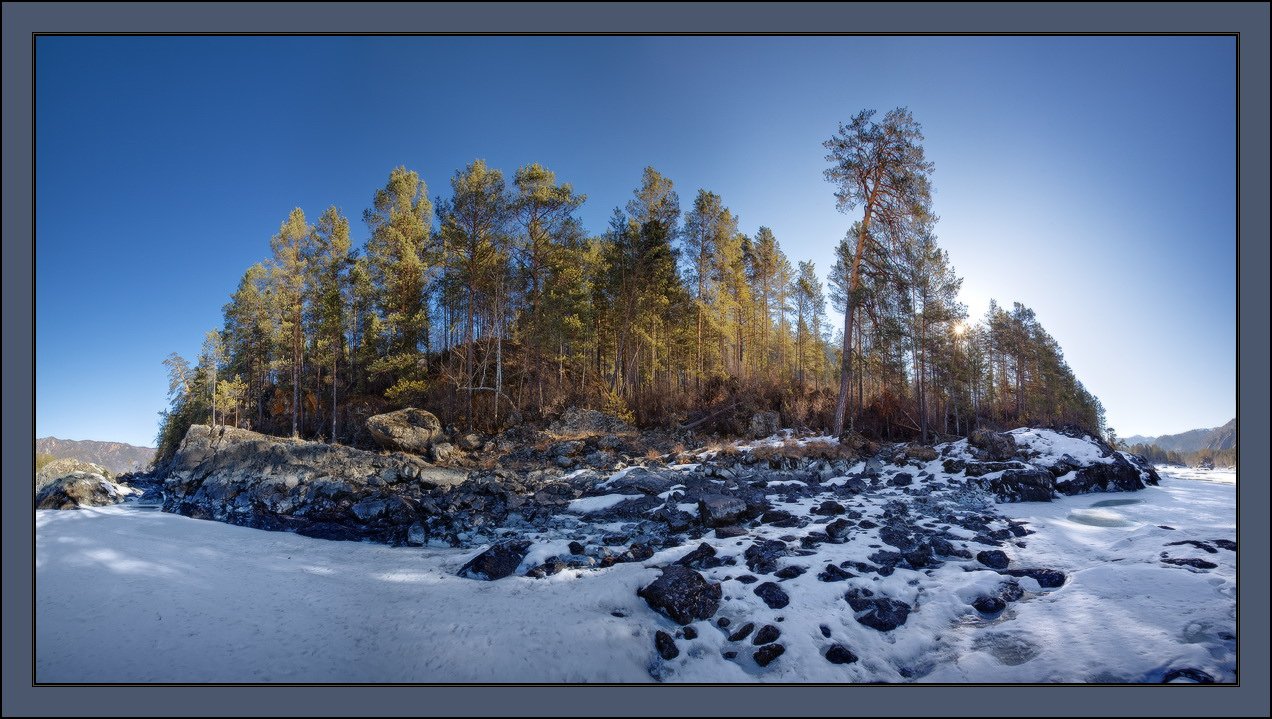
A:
(587, 505)
(126, 594)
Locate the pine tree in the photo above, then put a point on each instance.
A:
(328, 261)
(880, 167)
(288, 270)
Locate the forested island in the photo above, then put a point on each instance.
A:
(493, 306)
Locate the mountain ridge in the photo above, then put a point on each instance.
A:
(115, 456)
(1213, 438)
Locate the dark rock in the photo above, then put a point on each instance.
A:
(773, 595)
(675, 519)
(901, 479)
(722, 622)
(406, 430)
(1227, 544)
(549, 567)
(885, 615)
(767, 635)
(665, 645)
(989, 605)
(866, 524)
(1118, 475)
(742, 632)
(779, 518)
(885, 558)
(729, 532)
(638, 553)
(834, 574)
(497, 562)
(1023, 485)
(789, 572)
(719, 510)
(825, 630)
(898, 538)
(854, 486)
(838, 530)
(829, 508)
(690, 633)
(588, 422)
(980, 469)
(334, 531)
(839, 654)
(1191, 562)
(80, 489)
(640, 480)
(748, 579)
(919, 557)
(682, 594)
(997, 445)
(762, 556)
(768, 653)
(859, 598)
(696, 558)
(993, 558)
(729, 655)
(1046, 578)
(1198, 544)
(576, 548)
(765, 424)
(944, 548)
(1194, 675)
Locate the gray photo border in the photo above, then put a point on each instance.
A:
(20, 698)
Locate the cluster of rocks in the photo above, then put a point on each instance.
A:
(71, 484)
(1015, 474)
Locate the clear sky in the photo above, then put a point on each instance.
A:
(1092, 179)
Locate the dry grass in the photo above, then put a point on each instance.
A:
(791, 449)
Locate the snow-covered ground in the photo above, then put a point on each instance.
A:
(126, 594)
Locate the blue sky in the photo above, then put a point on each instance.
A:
(1092, 179)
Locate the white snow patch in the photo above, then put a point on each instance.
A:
(587, 505)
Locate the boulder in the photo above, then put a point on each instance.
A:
(577, 422)
(765, 424)
(719, 510)
(767, 653)
(665, 645)
(497, 562)
(406, 430)
(59, 468)
(998, 446)
(81, 489)
(1023, 485)
(839, 654)
(773, 595)
(920, 452)
(1118, 475)
(682, 594)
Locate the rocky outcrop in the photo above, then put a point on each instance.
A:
(765, 424)
(242, 477)
(577, 422)
(406, 430)
(81, 489)
(1028, 465)
(64, 467)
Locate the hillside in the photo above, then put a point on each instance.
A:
(1215, 438)
(115, 456)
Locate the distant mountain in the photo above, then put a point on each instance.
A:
(115, 456)
(1224, 437)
